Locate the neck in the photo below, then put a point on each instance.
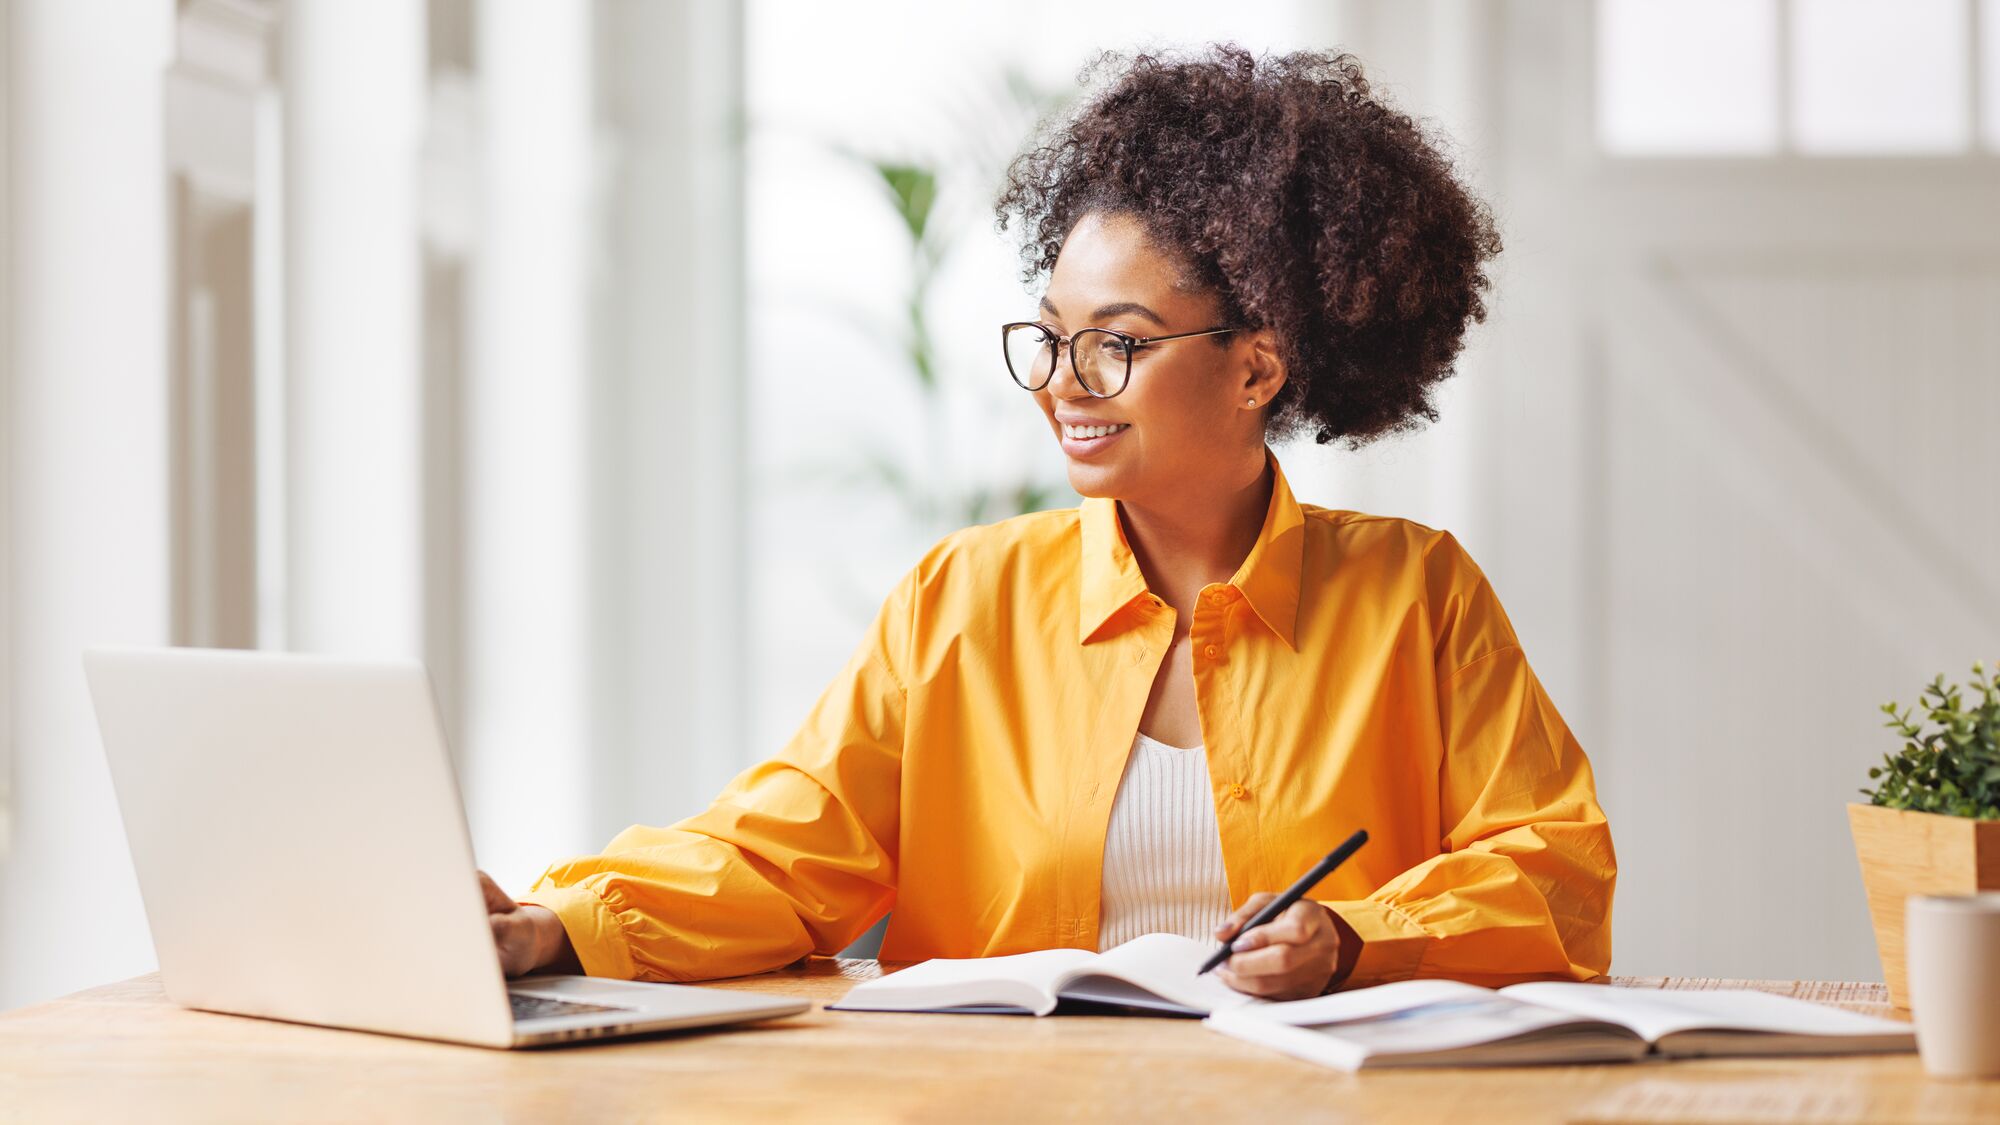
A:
(1202, 537)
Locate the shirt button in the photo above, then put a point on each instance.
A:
(1210, 652)
(1238, 792)
(1219, 597)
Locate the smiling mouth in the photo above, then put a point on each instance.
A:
(1085, 433)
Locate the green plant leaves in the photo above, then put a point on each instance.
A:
(1950, 762)
(913, 189)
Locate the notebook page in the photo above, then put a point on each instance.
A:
(1163, 964)
(1655, 1013)
(1367, 1003)
(948, 982)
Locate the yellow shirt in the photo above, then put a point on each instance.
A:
(1356, 672)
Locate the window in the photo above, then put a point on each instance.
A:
(1882, 78)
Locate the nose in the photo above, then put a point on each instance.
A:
(1063, 381)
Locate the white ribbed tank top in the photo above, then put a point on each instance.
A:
(1163, 852)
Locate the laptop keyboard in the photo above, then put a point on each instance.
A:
(528, 1007)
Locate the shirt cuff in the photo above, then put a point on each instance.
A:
(1392, 946)
(592, 927)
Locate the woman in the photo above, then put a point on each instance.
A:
(1073, 727)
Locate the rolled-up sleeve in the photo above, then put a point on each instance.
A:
(1522, 885)
(796, 855)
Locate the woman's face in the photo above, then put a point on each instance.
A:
(1182, 421)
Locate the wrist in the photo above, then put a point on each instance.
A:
(551, 940)
(1346, 953)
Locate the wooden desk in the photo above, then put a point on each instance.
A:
(122, 1052)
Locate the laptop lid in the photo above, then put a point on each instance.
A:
(299, 841)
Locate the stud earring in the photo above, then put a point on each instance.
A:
(1253, 402)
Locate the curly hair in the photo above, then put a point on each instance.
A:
(1302, 202)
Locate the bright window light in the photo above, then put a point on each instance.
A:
(1687, 77)
(1880, 77)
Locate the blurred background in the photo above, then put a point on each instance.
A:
(615, 357)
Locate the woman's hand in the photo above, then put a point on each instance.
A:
(1288, 958)
(528, 937)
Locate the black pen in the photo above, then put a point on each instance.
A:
(1292, 894)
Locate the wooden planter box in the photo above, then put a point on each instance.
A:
(1917, 853)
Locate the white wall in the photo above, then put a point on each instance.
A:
(527, 521)
(88, 457)
(354, 574)
(668, 451)
(6, 431)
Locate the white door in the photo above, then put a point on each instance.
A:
(1781, 469)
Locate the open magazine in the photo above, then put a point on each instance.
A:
(1447, 1023)
(1154, 973)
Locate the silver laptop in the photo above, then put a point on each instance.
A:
(303, 856)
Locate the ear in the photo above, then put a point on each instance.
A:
(1265, 374)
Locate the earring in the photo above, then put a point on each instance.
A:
(1253, 402)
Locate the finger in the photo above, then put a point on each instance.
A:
(1277, 960)
(497, 900)
(1293, 927)
(1242, 914)
(1268, 987)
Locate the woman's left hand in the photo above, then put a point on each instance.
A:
(1288, 958)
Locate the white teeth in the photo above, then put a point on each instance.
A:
(1093, 431)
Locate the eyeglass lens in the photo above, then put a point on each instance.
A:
(1101, 360)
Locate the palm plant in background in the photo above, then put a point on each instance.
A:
(966, 160)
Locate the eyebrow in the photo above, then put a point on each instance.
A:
(1116, 309)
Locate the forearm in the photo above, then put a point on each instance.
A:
(1533, 902)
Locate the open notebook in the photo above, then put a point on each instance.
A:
(1155, 973)
(1446, 1023)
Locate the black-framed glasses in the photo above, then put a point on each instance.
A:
(1100, 357)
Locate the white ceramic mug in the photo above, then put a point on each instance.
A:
(1952, 944)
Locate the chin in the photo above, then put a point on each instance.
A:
(1096, 480)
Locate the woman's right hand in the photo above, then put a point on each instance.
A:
(528, 937)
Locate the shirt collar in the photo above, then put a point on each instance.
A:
(1268, 579)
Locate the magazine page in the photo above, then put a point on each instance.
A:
(1657, 1013)
(1427, 1023)
(1363, 1003)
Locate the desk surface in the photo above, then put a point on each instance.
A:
(123, 1052)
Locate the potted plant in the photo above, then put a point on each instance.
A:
(1932, 826)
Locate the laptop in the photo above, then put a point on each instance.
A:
(302, 854)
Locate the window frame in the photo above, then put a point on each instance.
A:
(1983, 137)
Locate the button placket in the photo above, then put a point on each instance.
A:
(1230, 754)
(1095, 777)
(1212, 623)
(1205, 631)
